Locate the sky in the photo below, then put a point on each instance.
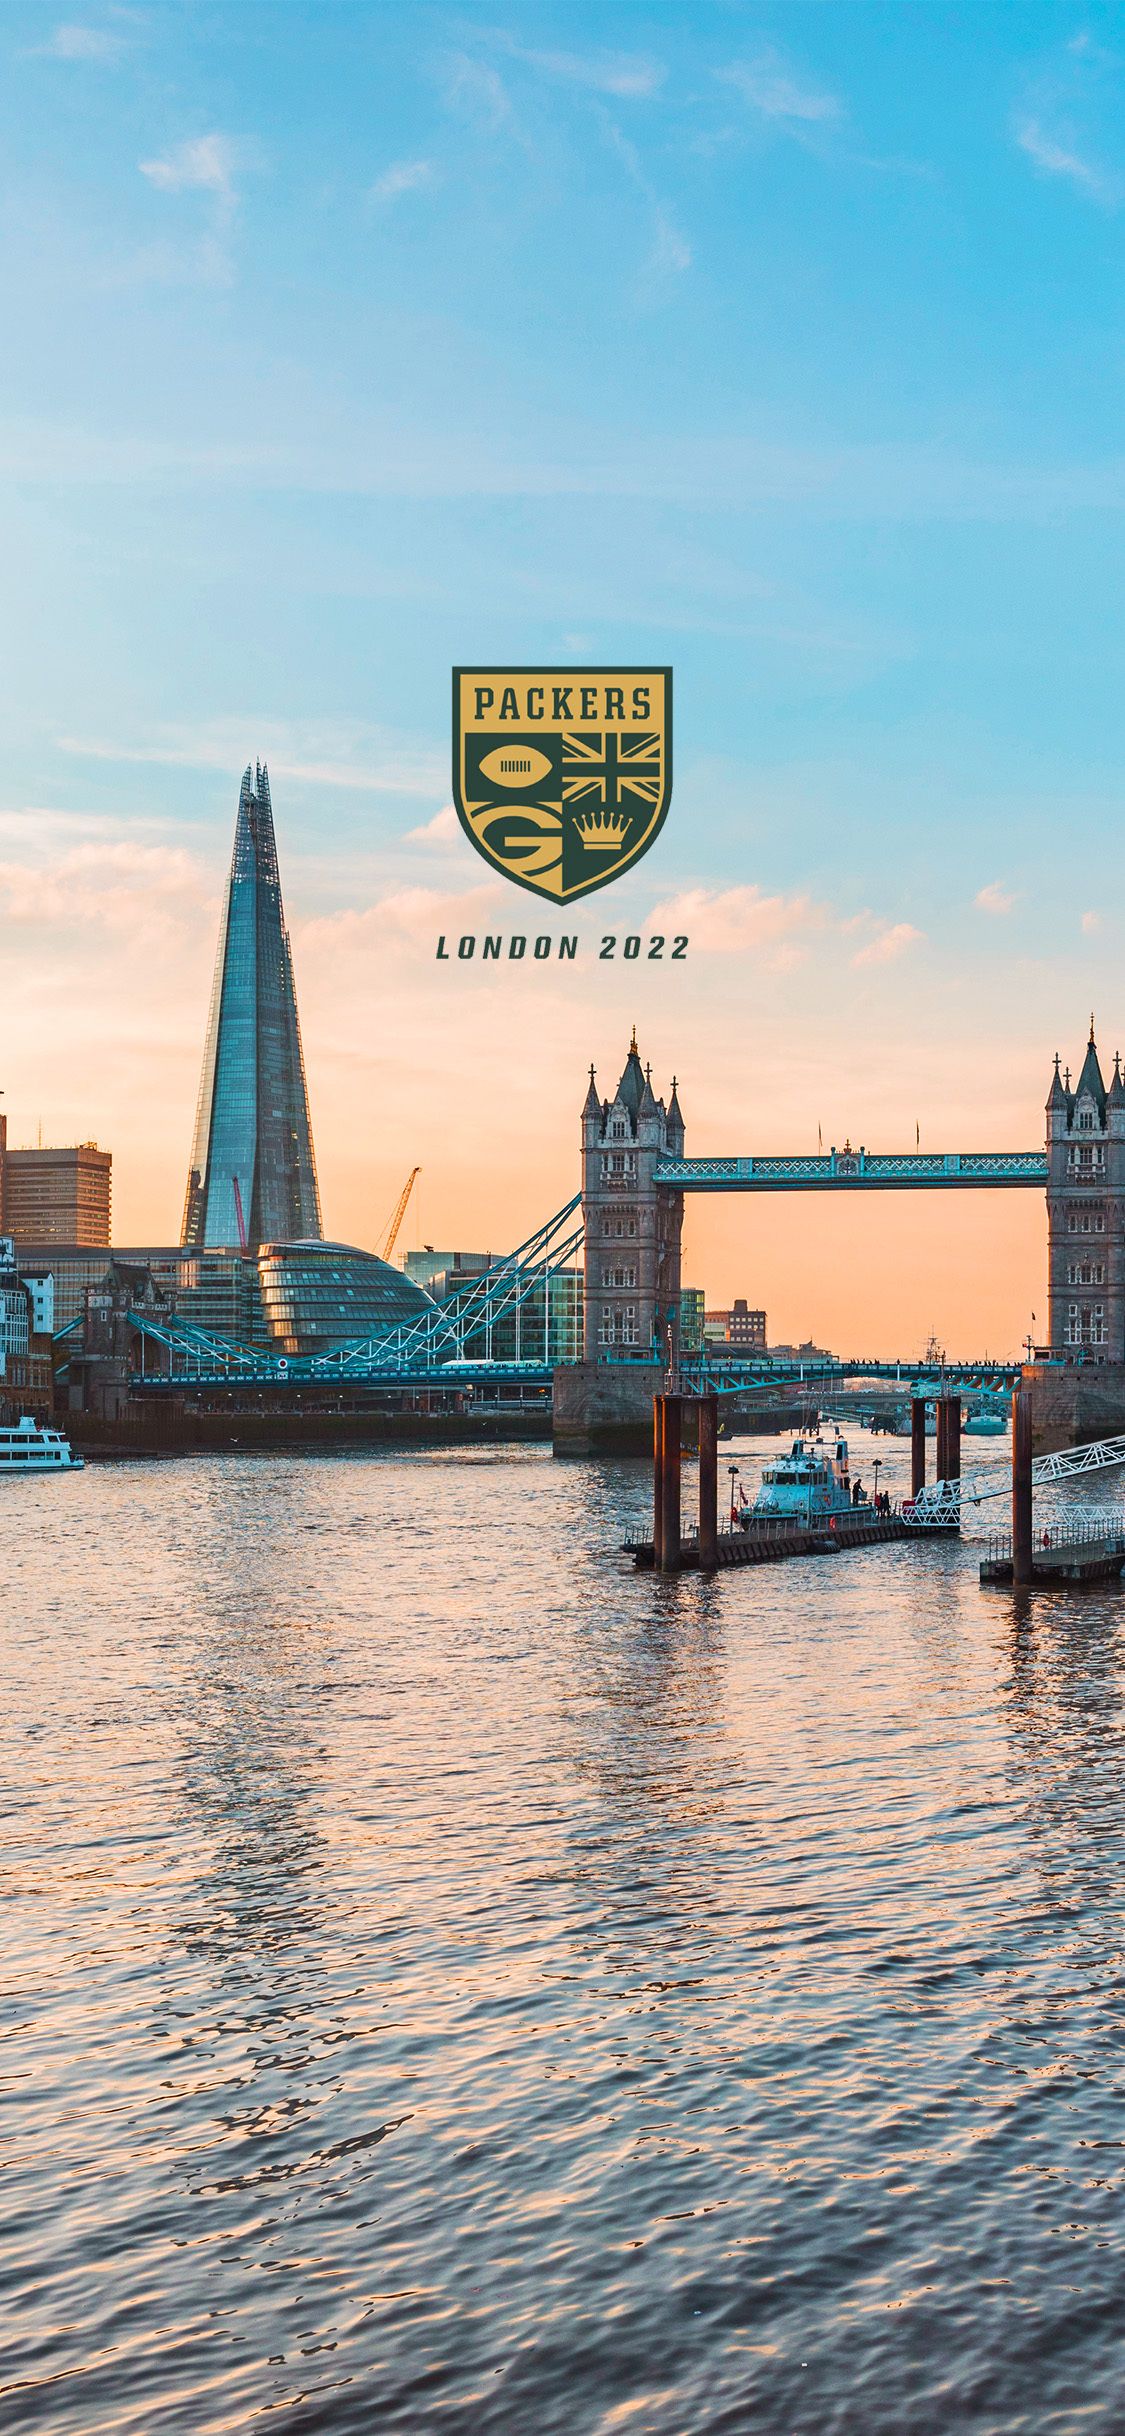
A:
(780, 345)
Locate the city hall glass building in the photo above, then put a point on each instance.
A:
(316, 1296)
(253, 1175)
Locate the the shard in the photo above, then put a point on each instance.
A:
(253, 1175)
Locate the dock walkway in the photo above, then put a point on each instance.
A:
(770, 1546)
(1089, 1554)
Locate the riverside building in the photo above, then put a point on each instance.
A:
(27, 1319)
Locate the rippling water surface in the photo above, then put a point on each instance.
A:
(452, 1982)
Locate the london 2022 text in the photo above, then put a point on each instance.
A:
(494, 946)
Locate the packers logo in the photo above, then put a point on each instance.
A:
(562, 777)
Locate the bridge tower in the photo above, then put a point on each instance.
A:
(632, 1224)
(1086, 1213)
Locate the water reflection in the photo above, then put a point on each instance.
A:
(466, 1985)
(1064, 1713)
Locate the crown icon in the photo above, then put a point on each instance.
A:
(602, 830)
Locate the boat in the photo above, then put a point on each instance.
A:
(809, 1484)
(979, 1420)
(29, 1448)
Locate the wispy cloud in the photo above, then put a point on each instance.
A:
(889, 944)
(121, 885)
(379, 456)
(37, 828)
(388, 767)
(443, 830)
(476, 91)
(732, 921)
(206, 162)
(622, 75)
(418, 914)
(1058, 160)
(1068, 99)
(766, 84)
(203, 165)
(1090, 923)
(402, 178)
(670, 249)
(93, 44)
(994, 899)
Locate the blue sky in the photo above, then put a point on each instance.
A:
(342, 343)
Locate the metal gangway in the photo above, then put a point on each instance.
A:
(940, 1505)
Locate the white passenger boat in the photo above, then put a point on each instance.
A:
(808, 1485)
(28, 1448)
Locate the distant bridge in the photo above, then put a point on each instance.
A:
(171, 1356)
(711, 1371)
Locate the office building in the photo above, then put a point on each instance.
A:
(440, 1272)
(740, 1328)
(543, 1323)
(216, 1291)
(692, 1314)
(56, 1196)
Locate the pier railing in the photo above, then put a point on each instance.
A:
(1046, 1542)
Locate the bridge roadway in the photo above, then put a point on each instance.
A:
(850, 1170)
(206, 1370)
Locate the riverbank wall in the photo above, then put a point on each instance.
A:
(171, 1427)
(1069, 1407)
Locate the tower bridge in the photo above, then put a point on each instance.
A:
(636, 1174)
(625, 1228)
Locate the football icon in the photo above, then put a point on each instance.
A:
(515, 765)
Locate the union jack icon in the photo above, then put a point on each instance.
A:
(615, 773)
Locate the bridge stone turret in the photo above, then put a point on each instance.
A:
(632, 1227)
(632, 1224)
(1086, 1213)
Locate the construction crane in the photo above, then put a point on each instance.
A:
(400, 1213)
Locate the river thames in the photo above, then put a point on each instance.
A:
(452, 1982)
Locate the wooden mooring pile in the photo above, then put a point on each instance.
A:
(1027, 1558)
(709, 1550)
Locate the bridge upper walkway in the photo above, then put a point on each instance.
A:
(851, 1170)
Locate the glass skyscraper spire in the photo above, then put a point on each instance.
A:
(253, 1175)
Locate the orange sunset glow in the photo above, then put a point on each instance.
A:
(782, 1020)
